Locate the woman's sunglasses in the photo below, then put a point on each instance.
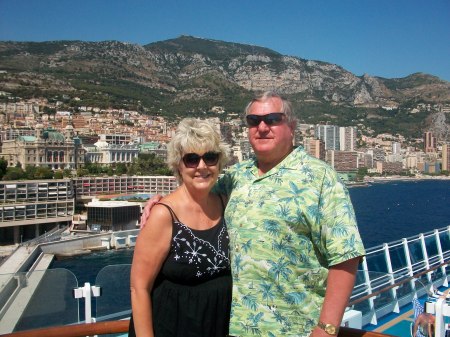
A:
(274, 118)
(192, 160)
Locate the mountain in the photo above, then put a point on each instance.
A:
(190, 75)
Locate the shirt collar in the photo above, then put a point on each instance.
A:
(292, 161)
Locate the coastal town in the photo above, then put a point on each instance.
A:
(68, 168)
(68, 139)
(329, 216)
(73, 212)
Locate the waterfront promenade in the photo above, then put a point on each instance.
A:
(13, 257)
(17, 285)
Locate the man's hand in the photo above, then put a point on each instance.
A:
(148, 206)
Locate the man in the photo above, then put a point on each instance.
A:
(294, 242)
(292, 232)
(424, 325)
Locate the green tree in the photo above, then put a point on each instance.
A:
(3, 167)
(30, 172)
(110, 171)
(58, 174)
(82, 172)
(43, 172)
(121, 168)
(148, 164)
(93, 168)
(67, 173)
(362, 172)
(14, 173)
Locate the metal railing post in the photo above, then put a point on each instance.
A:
(87, 292)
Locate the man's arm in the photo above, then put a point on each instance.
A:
(419, 320)
(340, 283)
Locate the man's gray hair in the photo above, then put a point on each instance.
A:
(286, 106)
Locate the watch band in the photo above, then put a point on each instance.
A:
(328, 328)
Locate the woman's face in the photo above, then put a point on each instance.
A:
(200, 169)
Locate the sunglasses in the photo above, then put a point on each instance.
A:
(274, 118)
(191, 160)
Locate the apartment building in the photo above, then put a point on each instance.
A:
(330, 135)
(19, 108)
(391, 168)
(315, 148)
(446, 157)
(86, 187)
(347, 138)
(30, 208)
(429, 142)
(14, 133)
(343, 161)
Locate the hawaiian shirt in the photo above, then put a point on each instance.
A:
(286, 228)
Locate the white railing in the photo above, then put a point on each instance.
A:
(404, 270)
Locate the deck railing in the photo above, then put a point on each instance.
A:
(121, 327)
(43, 299)
(405, 269)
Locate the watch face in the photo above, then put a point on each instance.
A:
(330, 329)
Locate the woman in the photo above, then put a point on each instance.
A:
(180, 276)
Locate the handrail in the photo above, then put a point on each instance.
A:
(376, 293)
(76, 330)
(110, 327)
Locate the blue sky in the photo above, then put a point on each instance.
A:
(387, 38)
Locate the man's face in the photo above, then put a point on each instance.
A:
(271, 143)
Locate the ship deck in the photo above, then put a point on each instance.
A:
(395, 324)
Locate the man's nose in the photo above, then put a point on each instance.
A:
(262, 126)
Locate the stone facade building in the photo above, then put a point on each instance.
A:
(48, 148)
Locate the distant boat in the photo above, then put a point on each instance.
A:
(357, 183)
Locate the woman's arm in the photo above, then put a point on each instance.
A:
(152, 247)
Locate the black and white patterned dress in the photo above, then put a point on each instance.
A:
(192, 293)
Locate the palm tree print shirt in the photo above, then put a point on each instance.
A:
(286, 228)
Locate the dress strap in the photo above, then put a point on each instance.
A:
(172, 213)
(174, 216)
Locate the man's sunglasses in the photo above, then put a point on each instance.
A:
(191, 160)
(274, 118)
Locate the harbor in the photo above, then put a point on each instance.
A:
(406, 265)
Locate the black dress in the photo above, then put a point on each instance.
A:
(192, 293)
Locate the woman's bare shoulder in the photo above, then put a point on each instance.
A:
(159, 218)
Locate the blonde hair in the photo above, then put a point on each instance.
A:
(195, 135)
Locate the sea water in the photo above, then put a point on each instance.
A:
(385, 211)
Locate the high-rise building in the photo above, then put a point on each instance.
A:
(429, 142)
(347, 138)
(446, 157)
(329, 134)
(396, 148)
(315, 147)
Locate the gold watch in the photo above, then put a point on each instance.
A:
(328, 328)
